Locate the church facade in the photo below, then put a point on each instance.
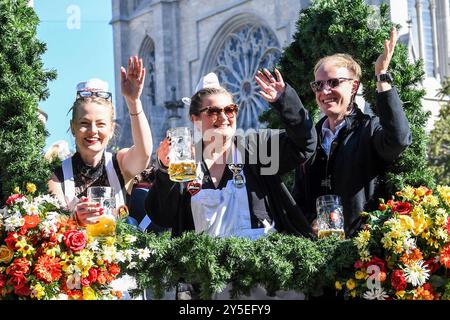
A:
(182, 40)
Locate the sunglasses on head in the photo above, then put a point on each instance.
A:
(101, 94)
(229, 110)
(319, 85)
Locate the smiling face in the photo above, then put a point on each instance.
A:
(333, 102)
(92, 127)
(219, 124)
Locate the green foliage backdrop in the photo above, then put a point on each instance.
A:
(23, 83)
(351, 26)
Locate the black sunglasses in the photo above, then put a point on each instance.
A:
(229, 110)
(319, 85)
(101, 94)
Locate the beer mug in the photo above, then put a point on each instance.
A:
(106, 223)
(330, 218)
(182, 163)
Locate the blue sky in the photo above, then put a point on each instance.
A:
(77, 54)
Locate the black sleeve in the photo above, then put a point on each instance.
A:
(163, 200)
(298, 142)
(391, 132)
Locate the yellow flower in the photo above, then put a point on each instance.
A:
(444, 193)
(88, 293)
(37, 291)
(6, 254)
(17, 190)
(400, 294)
(420, 220)
(430, 200)
(360, 275)
(110, 241)
(353, 293)
(338, 285)
(31, 188)
(407, 193)
(406, 223)
(351, 284)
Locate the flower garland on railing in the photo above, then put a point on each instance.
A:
(404, 251)
(278, 262)
(45, 255)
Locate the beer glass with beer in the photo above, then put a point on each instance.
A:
(106, 223)
(330, 218)
(182, 163)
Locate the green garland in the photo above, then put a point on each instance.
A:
(276, 262)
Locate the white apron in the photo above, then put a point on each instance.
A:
(226, 213)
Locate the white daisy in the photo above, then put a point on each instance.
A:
(14, 221)
(130, 238)
(132, 265)
(409, 244)
(120, 256)
(143, 254)
(416, 273)
(31, 209)
(93, 245)
(375, 294)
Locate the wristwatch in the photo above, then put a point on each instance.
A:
(384, 77)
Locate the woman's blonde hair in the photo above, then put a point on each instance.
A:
(341, 60)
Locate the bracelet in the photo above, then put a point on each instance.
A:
(136, 114)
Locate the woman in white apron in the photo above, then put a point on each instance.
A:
(92, 125)
(232, 196)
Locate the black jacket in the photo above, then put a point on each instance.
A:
(359, 157)
(168, 203)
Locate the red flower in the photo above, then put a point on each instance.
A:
(114, 269)
(444, 256)
(22, 290)
(47, 269)
(398, 281)
(377, 262)
(391, 203)
(17, 280)
(11, 240)
(75, 240)
(402, 208)
(31, 222)
(431, 265)
(13, 198)
(102, 277)
(20, 266)
(85, 282)
(93, 272)
(2, 281)
(358, 264)
(75, 294)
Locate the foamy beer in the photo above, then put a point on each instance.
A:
(182, 165)
(330, 218)
(106, 223)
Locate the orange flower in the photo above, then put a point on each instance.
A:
(47, 269)
(444, 256)
(413, 256)
(422, 293)
(30, 222)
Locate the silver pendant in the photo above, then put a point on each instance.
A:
(236, 168)
(238, 180)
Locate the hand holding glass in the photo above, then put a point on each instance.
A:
(330, 218)
(106, 223)
(182, 163)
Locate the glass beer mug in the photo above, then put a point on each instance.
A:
(106, 223)
(182, 163)
(330, 218)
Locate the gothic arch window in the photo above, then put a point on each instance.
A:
(147, 52)
(244, 47)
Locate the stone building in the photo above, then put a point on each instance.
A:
(181, 40)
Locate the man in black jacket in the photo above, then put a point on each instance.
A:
(354, 149)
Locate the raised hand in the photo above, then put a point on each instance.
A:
(163, 152)
(132, 80)
(382, 63)
(272, 88)
(87, 212)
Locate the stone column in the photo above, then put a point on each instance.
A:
(420, 29)
(434, 35)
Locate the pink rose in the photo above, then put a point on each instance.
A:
(75, 240)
